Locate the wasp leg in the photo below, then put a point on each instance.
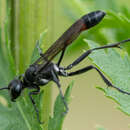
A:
(34, 104)
(61, 57)
(107, 82)
(84, 55)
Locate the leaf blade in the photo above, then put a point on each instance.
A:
(117, 68)
(56, 121)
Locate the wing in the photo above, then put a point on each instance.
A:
(84, 23)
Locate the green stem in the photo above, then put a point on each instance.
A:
(29, 19)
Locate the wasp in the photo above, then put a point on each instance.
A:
(43, 70)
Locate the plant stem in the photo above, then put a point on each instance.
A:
(29, 19)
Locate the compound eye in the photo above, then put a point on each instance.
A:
(15, 88)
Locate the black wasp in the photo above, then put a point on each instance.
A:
(43, 70)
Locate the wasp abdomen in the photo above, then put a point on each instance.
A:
(93, 18)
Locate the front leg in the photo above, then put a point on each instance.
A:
(33, 102)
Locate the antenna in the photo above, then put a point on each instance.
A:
(4, 88)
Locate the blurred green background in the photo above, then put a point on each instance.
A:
(89, 109)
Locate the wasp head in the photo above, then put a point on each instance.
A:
(15, 88)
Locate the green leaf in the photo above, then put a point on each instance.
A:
(55, 122)
(117, 68)
(10, 119)
(35, 54)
